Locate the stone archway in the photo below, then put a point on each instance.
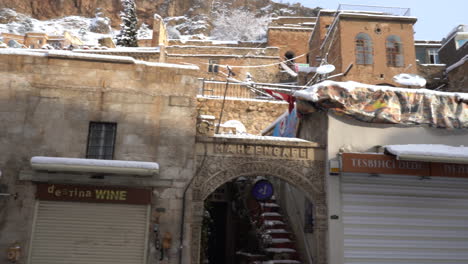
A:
(299, 163)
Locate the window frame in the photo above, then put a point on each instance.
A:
(213, 66)
(394, 51)
(102, 146)
(364, 49)
(433, 56)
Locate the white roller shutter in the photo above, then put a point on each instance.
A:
(73, 232)
(394, 219)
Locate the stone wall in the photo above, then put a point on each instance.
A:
(259, 74)
(256, 115)
(458, 79)
(433, 73)
(290, 40)
(46, 105)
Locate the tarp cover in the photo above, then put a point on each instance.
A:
(384, 104)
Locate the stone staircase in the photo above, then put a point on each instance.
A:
(278, 242)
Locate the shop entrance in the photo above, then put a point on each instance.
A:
(223, 161)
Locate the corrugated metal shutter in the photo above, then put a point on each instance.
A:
(71, 232)
(404, 219)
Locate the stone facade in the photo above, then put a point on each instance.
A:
(256, 115)
(299, 163)
(46, 106)
(458, 78)
(37, 40)
(338, 45)
(49, 100)
(203, 56)
(291, 35)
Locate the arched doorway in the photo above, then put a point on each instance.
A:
(257, 219)
(299, 164)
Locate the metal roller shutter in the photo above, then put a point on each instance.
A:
(72, 232)
(393, 219)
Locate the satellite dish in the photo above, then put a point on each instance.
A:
(410, 79)
(324, 69)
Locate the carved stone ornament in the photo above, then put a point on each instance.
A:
(306, 175)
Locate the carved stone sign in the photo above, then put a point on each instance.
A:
(262, 150)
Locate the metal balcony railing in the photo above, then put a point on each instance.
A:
(377, 10)
(215, 89)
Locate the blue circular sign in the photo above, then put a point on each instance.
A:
(262, 190)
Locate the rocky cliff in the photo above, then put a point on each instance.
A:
(47, 9)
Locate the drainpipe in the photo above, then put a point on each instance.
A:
(182, 220)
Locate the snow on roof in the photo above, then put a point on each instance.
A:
(457, 64)
(216, 97)
(96, 162)
(430, 150)
(65, 54)
(311, 93)
(248, 136)
(121, 49)
(389, 105)
(168, 65)
(24, 52)
(224, 42)
(292, 28)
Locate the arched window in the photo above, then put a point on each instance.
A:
(364, 50)
(394, 51)
(289, 56)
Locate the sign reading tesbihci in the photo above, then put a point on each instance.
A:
(93, 194)
(386, 164)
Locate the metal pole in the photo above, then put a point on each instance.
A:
(224, 98)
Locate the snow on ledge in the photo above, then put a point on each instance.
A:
(429, 150)
(94, 165)
(24, 52)
(248, 136)
(65, 54)
(311, 92)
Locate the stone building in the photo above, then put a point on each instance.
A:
(63, 109)
(36, 40)
(428, 62)
(454, 53)
(291, 35)
(368, 46)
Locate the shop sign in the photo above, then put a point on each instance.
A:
(383, 164)
(386, 164)
(93, 194)
(449, 170)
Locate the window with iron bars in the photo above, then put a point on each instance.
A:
(364, 50)
(394, 51)
(101, 140)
